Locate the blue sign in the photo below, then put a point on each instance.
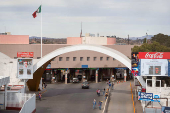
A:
(156, 96)
(84, 66)
(49, 66)
(121, 68)
(165, 109)
(145, 96)
(169, 67)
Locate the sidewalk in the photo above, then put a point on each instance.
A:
(121, 99)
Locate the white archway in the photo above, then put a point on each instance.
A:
(98, 48)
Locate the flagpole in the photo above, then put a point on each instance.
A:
(41, 30)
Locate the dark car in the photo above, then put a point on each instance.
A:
(85, 85)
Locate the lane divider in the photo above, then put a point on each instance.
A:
(132, 98)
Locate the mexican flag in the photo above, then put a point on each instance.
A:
(37, 11)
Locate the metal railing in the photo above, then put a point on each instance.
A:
(30, 105)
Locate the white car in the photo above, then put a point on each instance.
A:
(75, 80)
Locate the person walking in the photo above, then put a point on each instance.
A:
(106, 95)
(98, 92)
(103, 91)
(94, 104)
(100, 105)
(112, 84)
(39, 95)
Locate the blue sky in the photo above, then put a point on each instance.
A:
(62, 18)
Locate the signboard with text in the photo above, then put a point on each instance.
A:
(165, 109)
(150, 63)
(145, 96)
(25, 68)
(25, 54)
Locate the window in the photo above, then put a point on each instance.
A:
(74, 58)
(81, 58)
(15, 57)
(95, 58)
(67, 58)
(38, 57)
(113, 58)
(88, 58)
(107, 58)
(101, 58)
(60, 58)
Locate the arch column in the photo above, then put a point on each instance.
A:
(96, 76)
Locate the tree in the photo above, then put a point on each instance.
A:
(153, 47)
(162, 39)
(144, 40)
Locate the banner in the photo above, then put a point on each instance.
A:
(25, 68)
(25, 54)
(154, 55)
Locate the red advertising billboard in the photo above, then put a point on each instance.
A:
(154, 55)
(25, 54)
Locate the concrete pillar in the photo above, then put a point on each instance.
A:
(66, 77)
(5, 96)
(125, 75)
(96, 76)
(153, 81)
(111, 73)
(40, 85)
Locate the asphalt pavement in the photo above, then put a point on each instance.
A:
(121, 99)
(70, 98)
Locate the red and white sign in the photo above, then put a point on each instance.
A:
(154, 55)
(25, 54)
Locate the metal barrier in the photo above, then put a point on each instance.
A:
(152, 110)
(30, 105)
(106, 103)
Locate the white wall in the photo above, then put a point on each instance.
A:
(94, 40)
(8, 67)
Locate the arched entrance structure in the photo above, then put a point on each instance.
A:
(40, 66)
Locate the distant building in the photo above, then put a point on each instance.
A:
(91, 39)
(7, 38)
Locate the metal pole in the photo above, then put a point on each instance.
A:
(41, 30)
(135, 95)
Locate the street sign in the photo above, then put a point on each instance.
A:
(145, 96)
(165, 109)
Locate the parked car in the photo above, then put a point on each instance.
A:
(75, 80)
(85, 85)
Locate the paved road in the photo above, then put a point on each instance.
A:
(70, 98)
(121, 100)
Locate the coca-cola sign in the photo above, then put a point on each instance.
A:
(154, 55)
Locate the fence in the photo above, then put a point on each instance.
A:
(152, 110)
(17, 99)
(106, 103)
(132, 98)
(29, 106)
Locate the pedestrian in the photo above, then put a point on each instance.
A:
(112, 84)
(39, 95)
(45, 85)
(109, 85)
(94, 104)
(106, 95)
(100, 105)
(98, 92)
(103, 91)
(107, 81)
